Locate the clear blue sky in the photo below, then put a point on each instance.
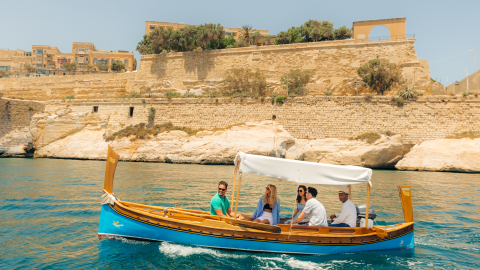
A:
(445, 30)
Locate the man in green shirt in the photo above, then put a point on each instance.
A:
(220, 205)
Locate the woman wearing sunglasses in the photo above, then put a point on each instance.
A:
(301, 201)
(268, 207)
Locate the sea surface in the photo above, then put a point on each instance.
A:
(50, 208)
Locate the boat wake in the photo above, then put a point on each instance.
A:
(267, 261)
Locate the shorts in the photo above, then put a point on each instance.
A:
(266, 215)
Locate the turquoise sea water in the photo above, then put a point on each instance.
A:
(49, 213)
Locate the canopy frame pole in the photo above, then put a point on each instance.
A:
(238, 194)
(368, 205)
(235, 179)
(350, 192)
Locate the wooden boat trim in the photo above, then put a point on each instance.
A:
(309, 239)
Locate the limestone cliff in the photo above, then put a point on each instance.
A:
(447, 155)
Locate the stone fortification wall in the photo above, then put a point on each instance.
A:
(108, 85)
(305, 118)
(334, 64)
(15, 119)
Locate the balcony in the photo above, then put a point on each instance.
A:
(81, 52)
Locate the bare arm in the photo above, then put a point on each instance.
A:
(300, 217)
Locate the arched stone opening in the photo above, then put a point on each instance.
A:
(379, 32)
(396, 26)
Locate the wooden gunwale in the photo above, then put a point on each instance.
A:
(242, 233)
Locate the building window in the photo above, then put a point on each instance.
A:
(39, 66)
(33, 59)
(76, 50)
(152, 27)
(228, 33)
(131, 111)
(54, 73)
(44, 66)
(33, 51)
(95, 61)
(86, 59)
(161, 28)
(95, 108)
(88, 50)
(76, 59)
(63, 73)
(126, 62)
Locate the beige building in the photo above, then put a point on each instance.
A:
(151, 25)
(50, 59)
(87, 56)
(13, 60)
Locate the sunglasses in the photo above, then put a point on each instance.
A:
(222, 189)
(267, 188)
(300, 190)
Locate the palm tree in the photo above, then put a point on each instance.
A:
(246, 32)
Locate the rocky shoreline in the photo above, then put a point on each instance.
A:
(69, 135)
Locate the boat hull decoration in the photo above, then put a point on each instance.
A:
(115, 223)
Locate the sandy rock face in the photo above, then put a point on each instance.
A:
(82, 136)
(446, 155)
(384, 153)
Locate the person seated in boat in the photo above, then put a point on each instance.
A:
(348, 214)
(301, 201)
(220, 205)
(268, 207)
(314, 210)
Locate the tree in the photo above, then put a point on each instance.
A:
(379, 74)
(102, 66)
(117, 66)
(70, 67)
(88, 67)
(297, 80)
(244, 82)
(3, 73)
(246, 32)
(342, 33)
(30, 68)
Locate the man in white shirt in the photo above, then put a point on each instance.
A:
(317, 215)
(348, 214)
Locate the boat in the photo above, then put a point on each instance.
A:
(121, 219)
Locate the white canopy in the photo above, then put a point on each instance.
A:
(302, 171)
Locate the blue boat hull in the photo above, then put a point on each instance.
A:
(113, 223)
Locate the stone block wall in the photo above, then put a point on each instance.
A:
(334, 64)
(306, 118)
(108, 85)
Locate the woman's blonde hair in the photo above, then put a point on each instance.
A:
(273, 195)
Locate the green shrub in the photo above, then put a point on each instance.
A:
(132, 94)
(30, 108)
(389, 133)
(151, 116)
(407, 93)
(244, 82)
(190, 95)
(369, 137)
(70, 97)
(300, 91)
(400, 102)
(279, 99)
(140, 131)
(328, 93)
(465, 134)
(296, 79)
(379, 74)
(465, 94)
(172, 94)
